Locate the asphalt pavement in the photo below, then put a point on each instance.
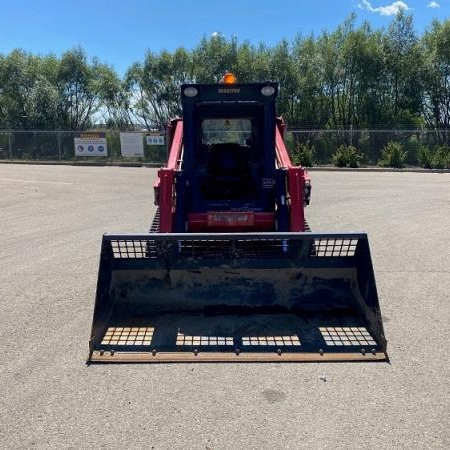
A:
(51, 222)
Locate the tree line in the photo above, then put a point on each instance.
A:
(353, 77)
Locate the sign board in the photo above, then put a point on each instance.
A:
(90, 144)
(155, 139)
(131, 144)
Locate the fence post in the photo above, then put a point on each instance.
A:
(9, 145)
(59, 145)
(112, 137)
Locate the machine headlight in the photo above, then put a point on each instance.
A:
(190, 91)
(268, 91)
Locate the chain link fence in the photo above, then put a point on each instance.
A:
(59, 145)
(369, 143)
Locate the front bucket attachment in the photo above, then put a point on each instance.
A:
(236, 297)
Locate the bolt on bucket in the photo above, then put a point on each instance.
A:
(236, 297)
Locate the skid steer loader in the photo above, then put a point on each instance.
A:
(229, 270)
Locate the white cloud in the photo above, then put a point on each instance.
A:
(389, 10)
(434, 5)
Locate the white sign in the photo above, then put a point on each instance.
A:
(131, 144)
(155, 139)
(91, 144)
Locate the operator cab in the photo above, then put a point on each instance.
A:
(229, 149)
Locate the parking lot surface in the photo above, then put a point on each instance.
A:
(51, 222)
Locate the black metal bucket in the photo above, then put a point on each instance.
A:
(236, 297)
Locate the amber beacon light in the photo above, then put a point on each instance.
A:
(229, 78)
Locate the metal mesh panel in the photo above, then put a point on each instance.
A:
(130, 248)
(235, 248)
(328, 247)
(261, 341)
(183, 339)
(271, 340)
(128, 336)
(346, 336)
(257, 248)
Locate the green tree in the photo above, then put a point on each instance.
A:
(283, 70)
(403, 65)
(79, 85)
(310, 107)
(28, 96)
(213, 57)
(155, 85)
(436, 76)
(252, 63)
(115, 99)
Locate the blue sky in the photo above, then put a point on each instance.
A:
(120, 32)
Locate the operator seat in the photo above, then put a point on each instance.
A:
(228, 171)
